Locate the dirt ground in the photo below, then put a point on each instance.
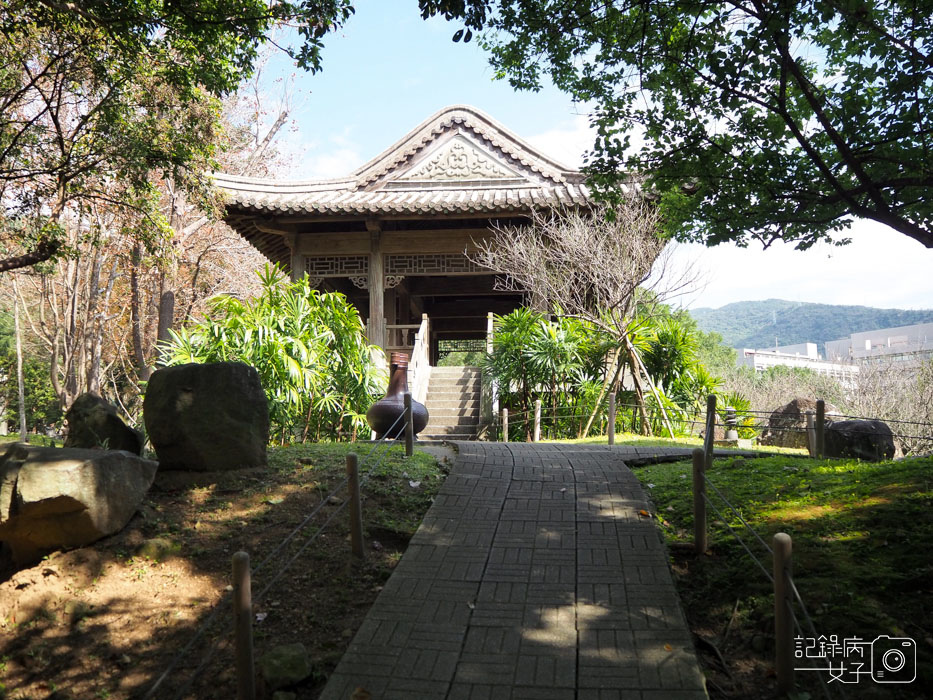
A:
(106, 621)
(112, 619)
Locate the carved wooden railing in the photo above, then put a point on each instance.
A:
(419, 366)
(489, 398)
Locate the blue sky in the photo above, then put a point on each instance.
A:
(388, 70)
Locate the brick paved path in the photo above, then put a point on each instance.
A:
(533, 576)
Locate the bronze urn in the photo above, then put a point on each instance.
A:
(385, 416)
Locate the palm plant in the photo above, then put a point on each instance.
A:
(309, 348)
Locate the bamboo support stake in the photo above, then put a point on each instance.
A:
(783, 623)
(356, 512)
(612, 418)
(243, 627)
(699, 501)
(710, 436)
(409, 426)
(537, 433)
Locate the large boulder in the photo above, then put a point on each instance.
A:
(207, 417)
(58, 498)
(94, 423)
(870, 440)
(787, 426)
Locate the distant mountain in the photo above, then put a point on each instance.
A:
(757, 324)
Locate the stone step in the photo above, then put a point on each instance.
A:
(458, 390)
(447, 438)
(453, 385)
(440, 405)
(454, 411)
(454, 396)
(443, 437)
(452, 422)
(465, 429)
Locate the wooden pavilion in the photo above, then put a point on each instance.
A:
(393, 235)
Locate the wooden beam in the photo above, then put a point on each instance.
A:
(463, 285)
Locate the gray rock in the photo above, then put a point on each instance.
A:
(59, 498)
(94, 423)
(870, 440)
(787, 426)
(207, 417)
(158, 549)
(285, 665)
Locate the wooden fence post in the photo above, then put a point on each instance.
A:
(612, 418)
(409, 426)
(243, 627)
(710, 436)
(356, 511)
(505, 425)
(699, 501)
(811, 433)
(820, 428)
(536, 437)
(783, 623)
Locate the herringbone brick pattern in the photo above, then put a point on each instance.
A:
(532, 577)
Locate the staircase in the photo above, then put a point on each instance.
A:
(453, 404)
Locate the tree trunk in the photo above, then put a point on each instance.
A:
(617, 361)
(23, 436)
(645, 428)
(654, 389)
(142, 368)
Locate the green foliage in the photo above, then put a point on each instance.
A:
(562, 363)
(859, 532)
(42, 406)
(99, 99)
(309, 348)
(756, 324)
(713, 354)
(757, 121)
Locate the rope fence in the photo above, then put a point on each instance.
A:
(240, 606)
(765, 426)
(786, 595)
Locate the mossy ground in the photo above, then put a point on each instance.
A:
(861, 558)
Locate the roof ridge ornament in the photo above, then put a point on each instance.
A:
(459, 159)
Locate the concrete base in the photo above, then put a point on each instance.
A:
(743, 443)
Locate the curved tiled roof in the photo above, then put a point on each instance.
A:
(489, 171)
(397, 202)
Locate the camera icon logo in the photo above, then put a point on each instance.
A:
(893, 659)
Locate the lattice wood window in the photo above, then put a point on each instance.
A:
(337, 265)
(434, 264)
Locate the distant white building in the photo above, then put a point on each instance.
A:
(801, 355)
(908, 344)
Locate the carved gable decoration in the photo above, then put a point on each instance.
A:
(459, 159)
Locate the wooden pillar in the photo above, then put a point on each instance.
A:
(395, 337)
(377, 311)
(296, 263)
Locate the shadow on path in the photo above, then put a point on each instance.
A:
(533, 576)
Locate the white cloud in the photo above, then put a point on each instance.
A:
(337, 156)
(880, 268)
(567, 142)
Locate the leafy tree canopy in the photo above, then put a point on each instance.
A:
(751, 120)
(97, 96)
